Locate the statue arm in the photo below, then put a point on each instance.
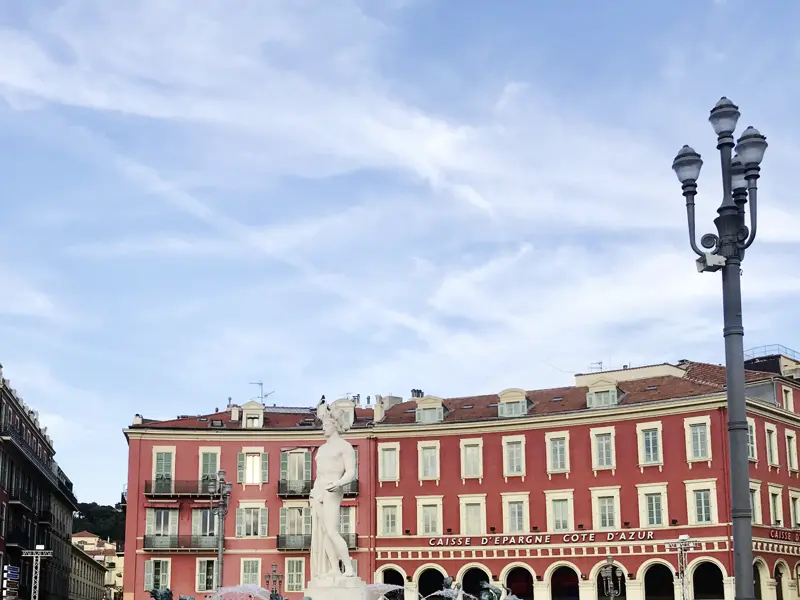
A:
(349, 458)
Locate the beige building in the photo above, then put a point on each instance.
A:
(87, 577)
(109, 554)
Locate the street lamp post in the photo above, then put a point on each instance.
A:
(220, 496)
(725, 251)
(274, 581)
(612, 587)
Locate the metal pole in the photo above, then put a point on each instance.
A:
(737, 430)
(220, 547)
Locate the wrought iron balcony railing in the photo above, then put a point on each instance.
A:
(297, 488)
(181, 542)
(20, 496)
(177, 487)
(351, 489)
(303, 541)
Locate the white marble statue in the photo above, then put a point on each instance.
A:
(335, 467)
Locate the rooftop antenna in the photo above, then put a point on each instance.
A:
(261, 394)
(596, 366)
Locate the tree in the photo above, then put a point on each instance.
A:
(102, 520)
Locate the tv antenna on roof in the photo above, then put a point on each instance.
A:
(261, 395)
(596, 366)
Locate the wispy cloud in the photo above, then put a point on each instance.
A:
(331, 198)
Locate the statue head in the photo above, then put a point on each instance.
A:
(334, 419)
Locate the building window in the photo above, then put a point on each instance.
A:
(296, 466)
(514, 456)
(654, 512)
(429, 515)
(295, 520)
(649, 436)
(204, 522)
(163, 466)
(516, 512)
(698, 441)
(161, 522)
(251, 571)
(251, 521)
(156, 574)
(472, 509)
(252, 467)
(560, 512)
(755, 502)
(752, 452)
(390, 512)
(347, 519)
(701, 501)
(702, 504)
(388, 464)
(772, 444)
(472, 459)
(603, 452)
(430, 415)
(605, 507)
(601, 398)
(512, 409)
(776, 504)
(557, 451)
(295, 574)
(794, 505)
(791, 450)
(788, 401)
(206, 574)
(653, 505)
(428, 455)
(209, 466)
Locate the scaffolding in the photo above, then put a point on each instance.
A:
(37, 555)
(683, 546)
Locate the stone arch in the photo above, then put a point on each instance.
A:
(473, 565)
(782, 563)
(783, 582)
(422, 568)
(393, 567)
(690, 568)
(596, 569)
(548, 574)
(517, 565)
(760, 568)
(642, 571)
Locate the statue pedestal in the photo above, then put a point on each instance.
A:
(336, 587)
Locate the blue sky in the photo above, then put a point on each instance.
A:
(367, 196)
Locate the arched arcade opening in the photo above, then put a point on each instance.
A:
(394, 577)
(617, 580)
(781, 583)
(659, 583)
(707, 582)
(472, 580)
(564, 584)
(520, 581)
(430, 581)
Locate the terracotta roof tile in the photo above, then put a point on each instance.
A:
(85, 533)
(715, 374)
(274, 418)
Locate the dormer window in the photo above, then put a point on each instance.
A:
(602, 396)
(430, 415)
(251, 421)
(252, 415)
(512, 403)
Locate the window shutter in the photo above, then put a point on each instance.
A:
(197, 516)
(173, 522)
(159, 464)
(205, 465)
(148, 575)
(164, 574)
(150, 522)
(201, 575)
(307, 520)
(263, 521)
(239, 522)
(418, 415)
(356, 451)
(264, 467)
(284, 466)
(283, 522)
(589, 399)
(168, 465)
(240, 469)
(440, 413)
(307, 466)
(501, 409)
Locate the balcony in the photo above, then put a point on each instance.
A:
(20, 497)
(45, 517)
(181, 543)
(351, 489)
(303, 542)
(168, 488)
(294, 488)
(17, 538)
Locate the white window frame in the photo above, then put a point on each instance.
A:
(258, 450)
(241, 569)
(687, 432)
(645, 489)
(556, 435)
(758, 515)
(751, 425)
(382, 478)
(167, 560)
(463, 445)
(510, 439)
(775, 450)
(791, 450)
(695, 485)
(172, 450)
(605, 492)
(773, 488)
(569, 496)
(596, 431)
(429, 444)
(197, 568)
(794, 499)
(286, 561)
(428, 501)
(463, 501)
(258, 504)
(525, 498)
(397, 503)
(640, 429)
(207, 450)
(788, 399)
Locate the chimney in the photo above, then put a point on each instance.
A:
(230, 402)
(234, 413)
(137, 419)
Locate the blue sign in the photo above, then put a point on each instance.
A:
(12, 576)
(11, 569)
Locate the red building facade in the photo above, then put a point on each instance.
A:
(531, 490)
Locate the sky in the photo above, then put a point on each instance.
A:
(368, 196)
